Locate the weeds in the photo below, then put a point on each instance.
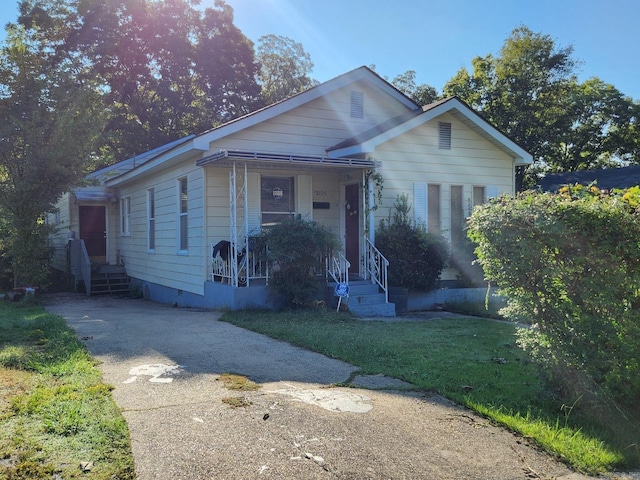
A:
(55, 413)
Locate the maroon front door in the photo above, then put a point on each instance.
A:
(93, 230)
(352, 226)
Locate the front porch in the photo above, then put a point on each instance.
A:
(267, 188)
(240, 279)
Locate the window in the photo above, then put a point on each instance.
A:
(276, 199)
(151, 215)
(433, 208)
(357, 105)
(444, 136)
(478, 196)
(457, 216)
(183, 207)
(125, 216)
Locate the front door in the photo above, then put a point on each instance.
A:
(352, 226)
(93, 230)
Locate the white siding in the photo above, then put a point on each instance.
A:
(165, 265)
(316, 126)
(414, 158)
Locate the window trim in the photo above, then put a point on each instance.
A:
(434, 208)
(293, 199)
(125, 216)
(183, 212)
(151, 220)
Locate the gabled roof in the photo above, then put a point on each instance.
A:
(367, 141)
(321, 90)
(200, 143)
(608, 178)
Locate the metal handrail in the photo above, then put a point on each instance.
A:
(376, 267)
(337, 267)
(246, 268)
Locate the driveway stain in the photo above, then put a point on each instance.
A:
(158, 372)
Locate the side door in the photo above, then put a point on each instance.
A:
(93, 230)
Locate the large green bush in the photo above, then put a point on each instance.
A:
(416, 257)
(569, 265)
(297, 249)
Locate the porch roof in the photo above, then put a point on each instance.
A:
(267, 159)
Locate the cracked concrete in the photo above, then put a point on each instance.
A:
(297, 425)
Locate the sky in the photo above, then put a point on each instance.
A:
(438, 38)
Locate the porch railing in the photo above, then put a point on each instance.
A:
(250, 266)
(337, 267)
(376, 267)
(80, 264)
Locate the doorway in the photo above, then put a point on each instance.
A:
(352, 226)
(93, 230)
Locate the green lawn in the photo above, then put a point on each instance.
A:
(57, 418)
(472, 361)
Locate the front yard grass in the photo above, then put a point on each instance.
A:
(474, 362)
(57, 418)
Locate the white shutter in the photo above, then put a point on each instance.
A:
(492, 192)
(420, 203)
(253, 200)
(304, 197)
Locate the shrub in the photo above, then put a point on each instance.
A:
(416, 257)
(297, 248)
(569, 264)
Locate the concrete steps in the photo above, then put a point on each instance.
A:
(364, 300)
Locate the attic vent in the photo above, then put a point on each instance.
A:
(444, 136)
(357, 105)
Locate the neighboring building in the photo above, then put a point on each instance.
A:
(607, 178)
(161, 214)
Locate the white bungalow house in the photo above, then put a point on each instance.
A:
(160, 215)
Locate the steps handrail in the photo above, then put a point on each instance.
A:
(376, 267)
(337, 267)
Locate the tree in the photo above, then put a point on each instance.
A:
(167, 68)
(422, 94)
(531, 93)
(284, 68)
(51, 121)
(602, 133)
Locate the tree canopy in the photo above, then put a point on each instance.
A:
(422, 94)
(166, 69)
(284, 68)
(531, 92)
(51, 121)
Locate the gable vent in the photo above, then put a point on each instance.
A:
(357, 105)
(444, 136)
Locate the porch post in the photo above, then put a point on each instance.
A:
(371, 203)
(233, 219)
(246, 224)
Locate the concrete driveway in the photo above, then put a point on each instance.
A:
(165, 363)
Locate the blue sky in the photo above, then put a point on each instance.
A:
(437, 38)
